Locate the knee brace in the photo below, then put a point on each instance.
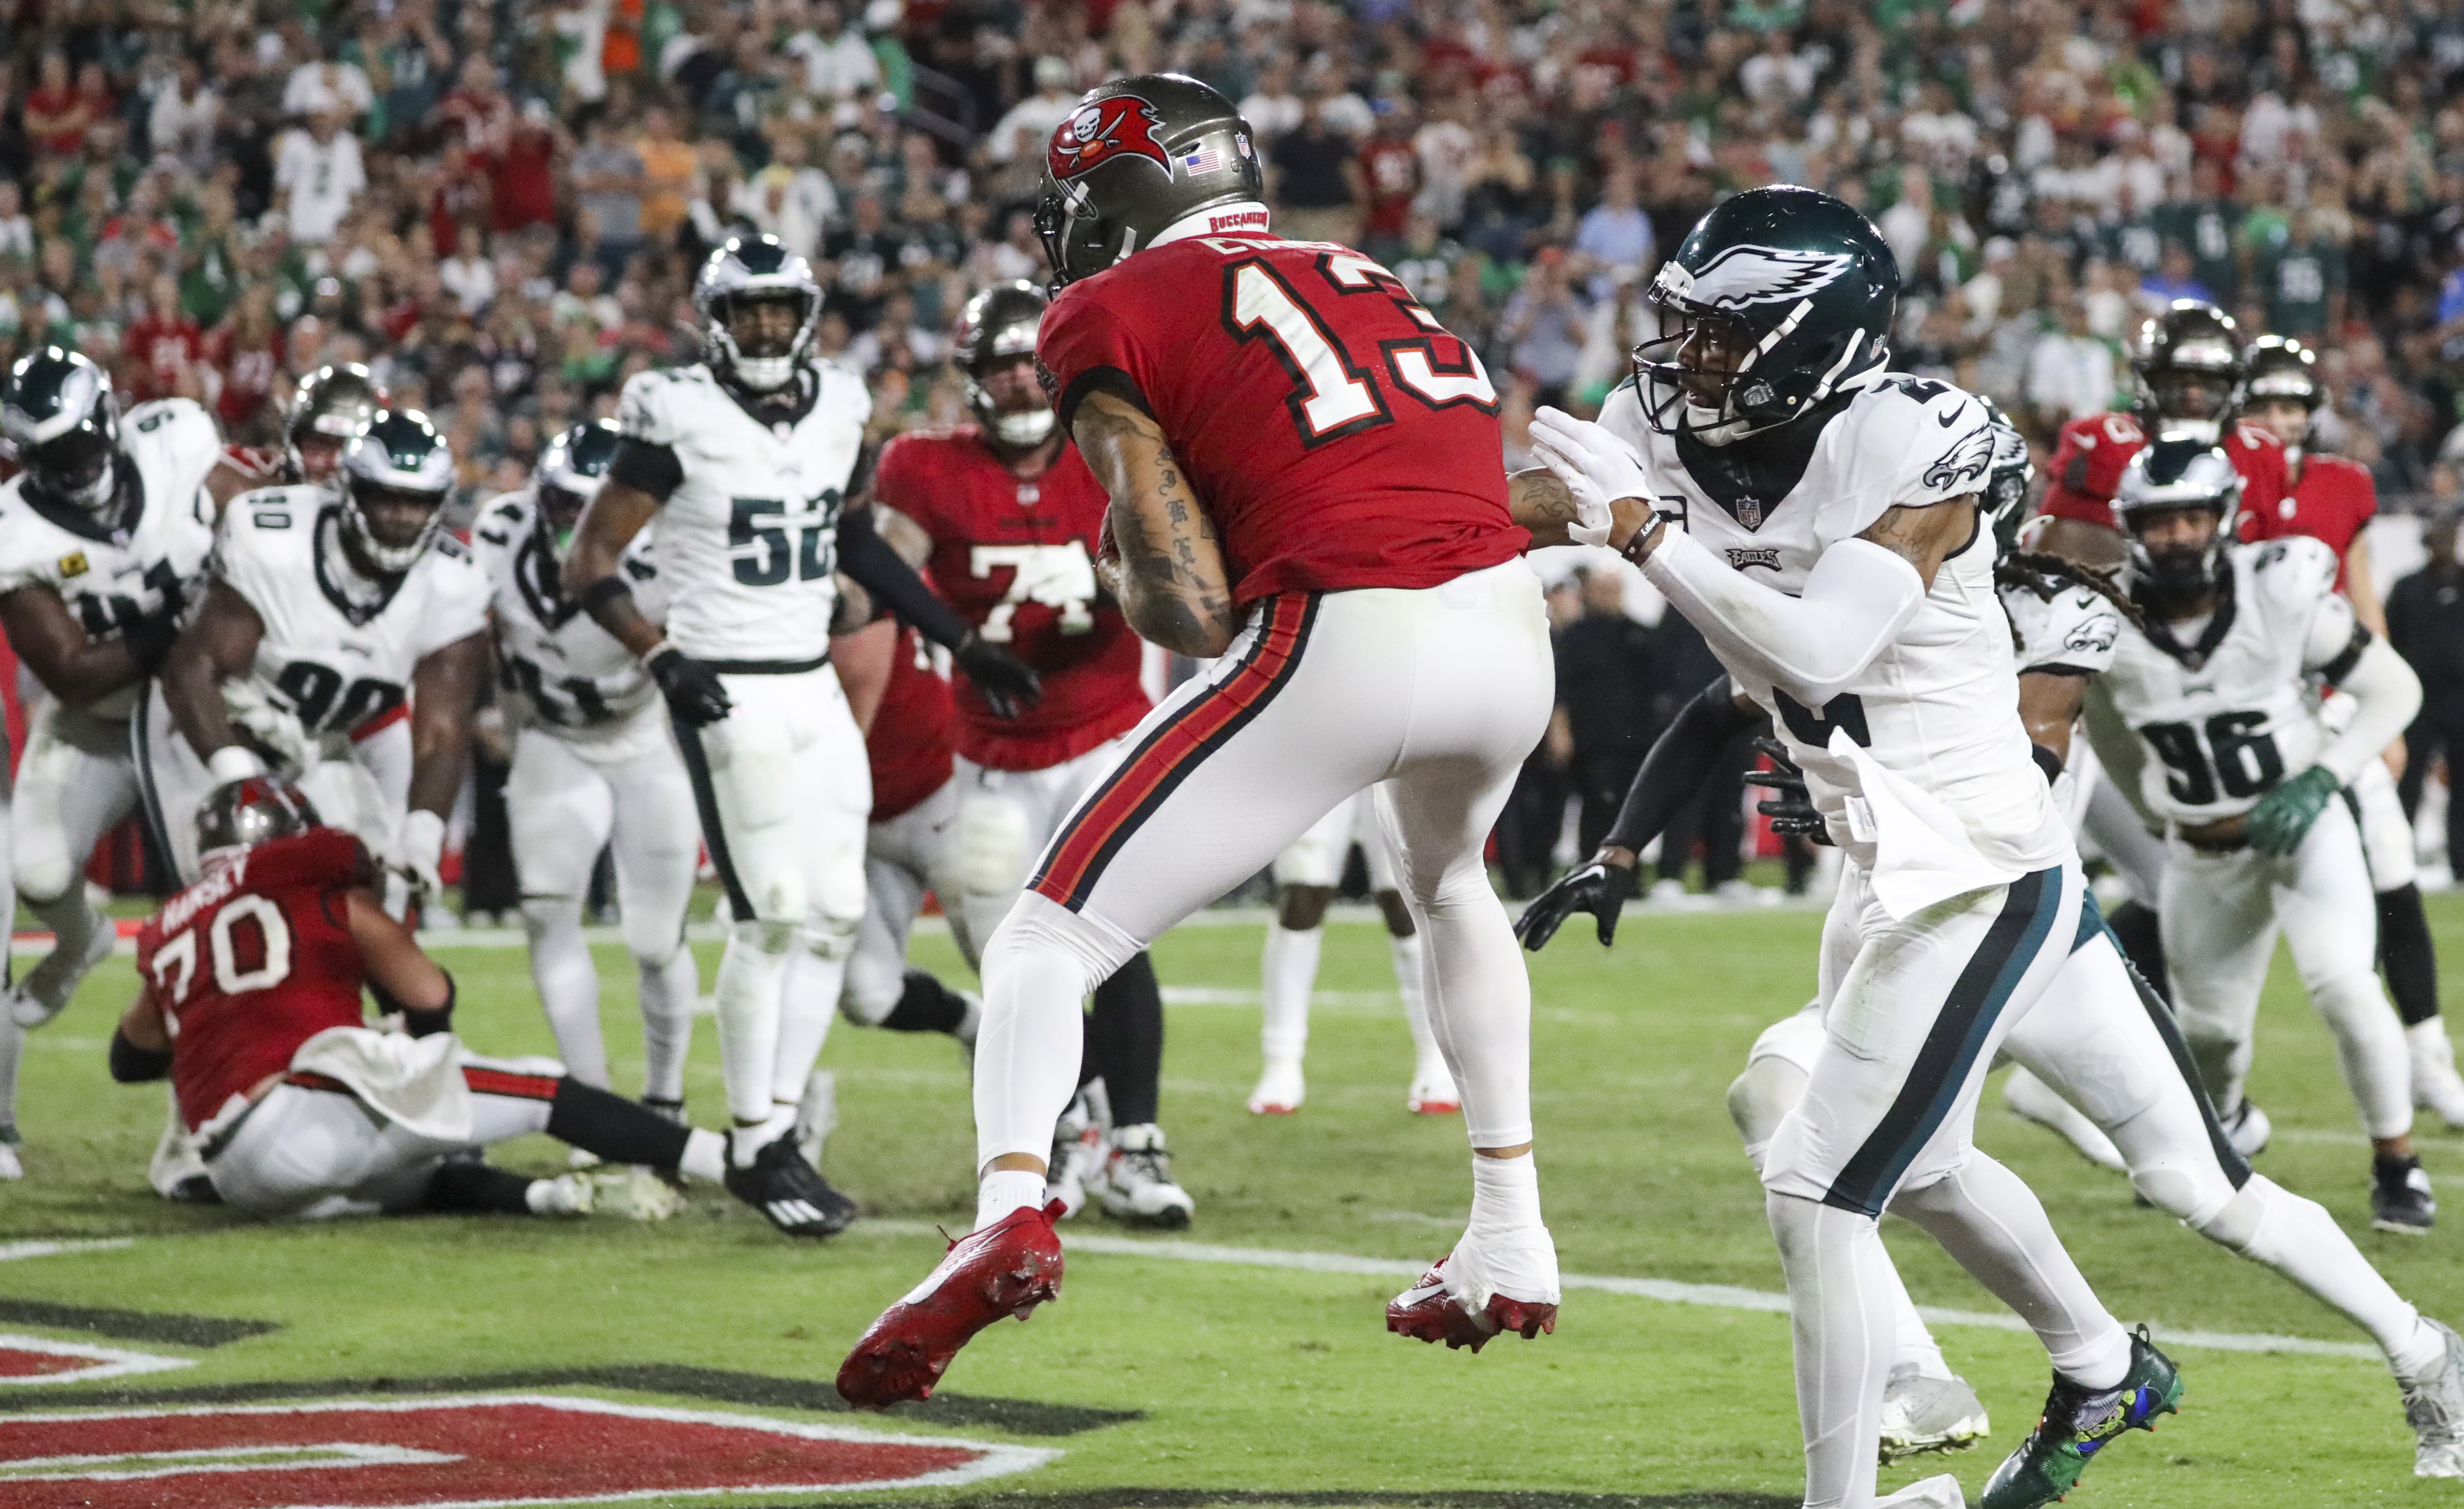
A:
(871, 991)
(831, 938)
(1758, 1099)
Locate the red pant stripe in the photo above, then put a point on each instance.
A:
(496, 1081)
(1149, 773)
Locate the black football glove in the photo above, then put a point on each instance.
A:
(1594, 886)
(1792, 811)
(696, 696)
(1010, 684)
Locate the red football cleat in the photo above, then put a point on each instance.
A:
(1007, 1268)
(1429, 1310)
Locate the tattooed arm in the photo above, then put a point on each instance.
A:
(1169, 577)
(1926, 537)
(1544, 506)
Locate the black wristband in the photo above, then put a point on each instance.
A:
(2047, 761)
(610, 586)
(131, 1064)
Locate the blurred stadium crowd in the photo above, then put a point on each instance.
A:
(498, 206)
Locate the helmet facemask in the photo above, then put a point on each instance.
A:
(1003, 392)
(386, 529)
(761, 335)
(78, 468)
(2190, 401)
(1712, 375)
(2164, 485)
(2175, 570)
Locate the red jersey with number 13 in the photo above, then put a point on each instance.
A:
(1338, 435)
(252, 960)
(1016, 557)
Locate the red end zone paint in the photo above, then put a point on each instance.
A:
(458, 1454)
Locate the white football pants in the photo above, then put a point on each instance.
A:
(904, 858)
(1434, 695)
(1005, 819)
(2221, 913)
(77, 781)
(567, 800)
(784, 792)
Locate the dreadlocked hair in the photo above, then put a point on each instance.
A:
(2045, 574)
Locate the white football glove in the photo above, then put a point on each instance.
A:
(1596, 466)
(422, 852)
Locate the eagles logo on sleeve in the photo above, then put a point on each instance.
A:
(1124, 124)
(1965, 461)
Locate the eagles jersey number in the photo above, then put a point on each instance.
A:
(759, 531)
(103, 614)
(325, 704)
(2231, 752)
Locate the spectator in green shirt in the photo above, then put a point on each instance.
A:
(2300, 276)
(2210, 224)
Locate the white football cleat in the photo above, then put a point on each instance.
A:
(2031, 1098)
(2435, 1084)
(1077, 1156)
(1922, 1414)
(566, 1195)
(1281, 1089)
(2248, 1129)
(2434, 1406)
(633, 1193)
(1934, 1493)
(48, 987)
(1433, 1091)
(9, 1165)
(1135, 1182)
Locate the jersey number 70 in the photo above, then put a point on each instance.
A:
(1333, 395)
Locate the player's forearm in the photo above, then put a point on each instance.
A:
(1170, 578)
(1543, 507)
(2049, 704)
(1686, 755)
(1857, 600)
(2387, 695)
(591, 578)
(192, 690)
(2361, 590)
(445, 690)
(51, 642)
(867, 557)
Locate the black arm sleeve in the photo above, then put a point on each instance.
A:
(651, 468)
(867, 557)
(131, 1064)
(1681, 759)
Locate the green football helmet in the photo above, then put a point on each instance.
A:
(570, 472)
(2005, 501)
(751, 270)
(62, 426)
(1778, 300)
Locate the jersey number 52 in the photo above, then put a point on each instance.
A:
(758, 530)
(1333, 395)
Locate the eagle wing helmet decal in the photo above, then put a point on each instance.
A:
(1108, 129)
(1755, 274)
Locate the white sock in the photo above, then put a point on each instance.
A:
(2298, 1238)
(1478, 1001)
(73, 921)
(1505, 1193)
(744, 1142)
(1406, 953)
(667, 994)
(705, 1156)
(568, 985)
(1006, 1189)
(751, 977)
(1912, 1344)
(1839, 1307)
(807, 1009)
(1990, 1222)
(1039, 969)
(1288, 974)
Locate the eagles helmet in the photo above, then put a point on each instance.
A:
(63, 424)
(2173, 474)
(744, 273)
(997, 329)
(241, 814)
(395, 479)
(332, 405)
(2278, 367)
(1793, 288)
(570, 471)
(1138, 156)
(2189, 364)
(2007, 478)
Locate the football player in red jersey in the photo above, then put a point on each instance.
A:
(330, 406)
(1308, 486)
(248, 1003)
(1013, 515)
(2332, 500)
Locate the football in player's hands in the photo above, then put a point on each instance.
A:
(1009, 685)
(1594, 886)
(693, 691)
(1596, 466)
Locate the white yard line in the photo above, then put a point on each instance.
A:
(1717, 1296)
(11, 1252)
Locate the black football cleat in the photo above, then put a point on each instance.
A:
(790, 1191)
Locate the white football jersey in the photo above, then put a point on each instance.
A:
(748, 542)
(110, 581)
(1939, 709)
(335, 654)
(571, 675)
(2231, 711)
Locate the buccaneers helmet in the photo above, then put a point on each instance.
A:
(333, 405)
(1797, 290)
(1138, 156)
(2189, 367)
(240, 814)
(997, 328)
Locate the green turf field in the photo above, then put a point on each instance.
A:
(1224, 1380)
